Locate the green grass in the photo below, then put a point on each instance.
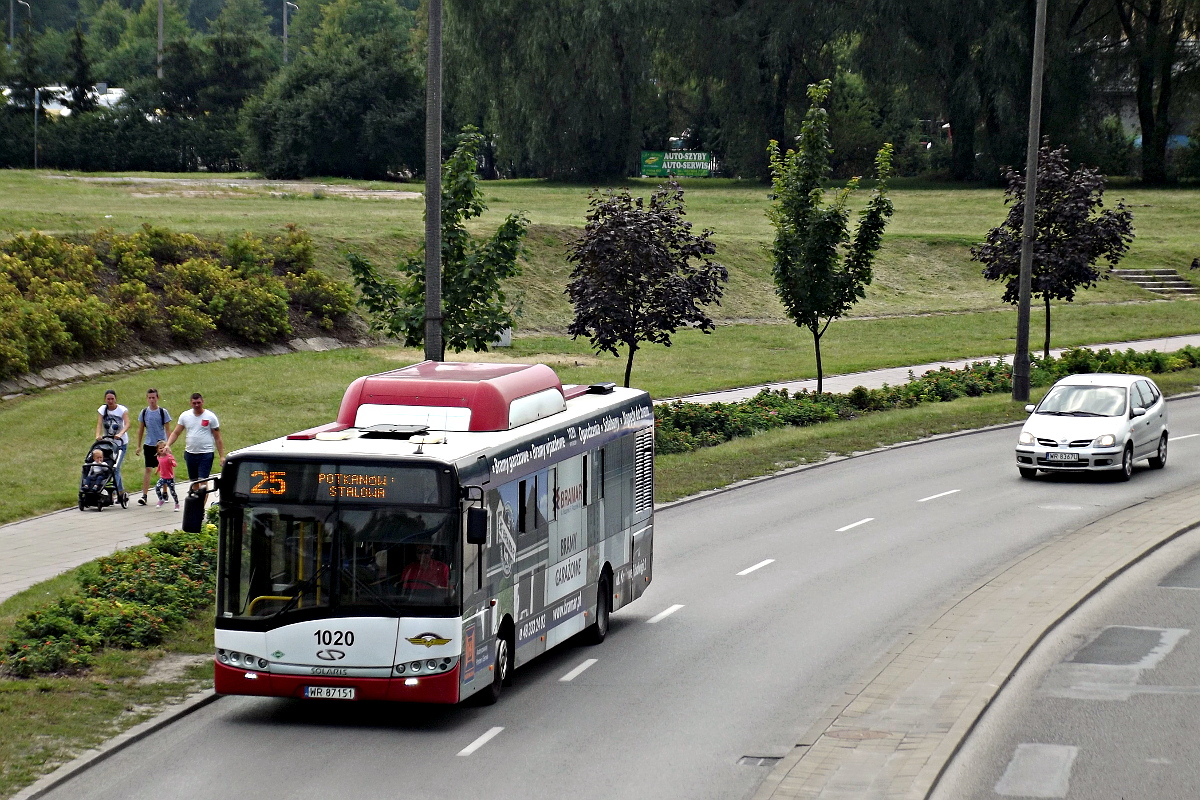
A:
(50, 720)
(924, 265)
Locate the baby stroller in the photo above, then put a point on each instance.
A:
(98, 487)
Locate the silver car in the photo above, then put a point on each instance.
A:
(1095, 422)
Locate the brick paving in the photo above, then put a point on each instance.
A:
(892, 736)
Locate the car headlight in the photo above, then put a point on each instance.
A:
(1026, 438)
(1107, 440)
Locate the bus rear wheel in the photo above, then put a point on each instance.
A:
(596, 632)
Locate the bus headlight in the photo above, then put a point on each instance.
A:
(222, 656)
(415, 666)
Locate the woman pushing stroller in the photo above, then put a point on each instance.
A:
(113, 423)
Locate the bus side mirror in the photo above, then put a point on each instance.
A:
(477, 526)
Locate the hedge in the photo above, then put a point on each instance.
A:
(681, 427)
(64, 299)
(131, 599)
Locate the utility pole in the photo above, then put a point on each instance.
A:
(37, 102)
(1020, 389)
(12, 15)
(434, 347)
(160, 38)
(285, 15)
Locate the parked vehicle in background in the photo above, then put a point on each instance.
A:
(1096, 422)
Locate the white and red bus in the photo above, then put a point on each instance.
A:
(456, 521)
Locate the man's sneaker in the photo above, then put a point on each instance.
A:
(177, 506)
(160, 502)
(142, 500)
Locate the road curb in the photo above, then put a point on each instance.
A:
(894, 734)
(115, 745)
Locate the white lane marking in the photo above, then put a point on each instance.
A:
(660, 616)
(480, 742)
(854, 525)
(575, 673)
(759, 565)
(1189, 436)
(936, 496)
(1038, 770)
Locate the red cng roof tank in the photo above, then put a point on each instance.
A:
(488, 390)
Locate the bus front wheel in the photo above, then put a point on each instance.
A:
(501, 673)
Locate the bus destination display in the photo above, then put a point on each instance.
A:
(328, 483)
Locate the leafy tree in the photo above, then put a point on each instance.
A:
(79, 86)
(562, 83)
(635, 278)
(475, 307)
(105, 27)
(820, 270)
(355, 110)
(136, 54)
(1073, 232)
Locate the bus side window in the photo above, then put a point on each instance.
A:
(552, 482)
(603, 453)
(522, 507)
(586, 465)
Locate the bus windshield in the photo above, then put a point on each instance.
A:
(334, 555)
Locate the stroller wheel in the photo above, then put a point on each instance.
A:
(124, 500)
(81, 504)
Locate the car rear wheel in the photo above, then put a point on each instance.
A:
(1126, 464)
(1159, 459)
(1027, 472)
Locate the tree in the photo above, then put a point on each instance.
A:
(820, 271)
(635, 279)
(475, 307)
(355, 110)
(80, 84)
(1072, 233)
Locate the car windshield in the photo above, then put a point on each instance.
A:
(1084, 401)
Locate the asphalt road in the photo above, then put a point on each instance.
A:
(787, 590)
(1106, 706)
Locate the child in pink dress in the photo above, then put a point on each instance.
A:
(166, 475)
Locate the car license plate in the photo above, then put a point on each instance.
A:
(1063, 456)
(330, 692)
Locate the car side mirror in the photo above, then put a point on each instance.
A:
(477, 525)
(1029, 407)
(1139, 412)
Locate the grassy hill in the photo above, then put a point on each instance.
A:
(924, 266)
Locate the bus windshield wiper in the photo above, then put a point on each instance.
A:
(301, 589)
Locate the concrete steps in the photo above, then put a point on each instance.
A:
(1166, 282)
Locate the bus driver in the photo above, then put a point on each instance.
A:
(426, 572)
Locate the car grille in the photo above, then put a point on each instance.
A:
(1076, 443)
(1081, 443)
(1047, 443)
(1079, 464)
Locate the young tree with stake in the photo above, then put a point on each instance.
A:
(820, 270)
(1072, 232)
(640, 273)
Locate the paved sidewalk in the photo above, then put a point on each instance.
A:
(874, 379)
(892, 736)
(42, 547)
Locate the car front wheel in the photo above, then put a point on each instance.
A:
(1126, 464)
(1159, 459)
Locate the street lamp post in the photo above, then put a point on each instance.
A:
(434, 348)
(285, 27)
(1020, 387)
(37, 102)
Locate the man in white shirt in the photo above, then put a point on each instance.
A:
(203, 431)
(113, 422)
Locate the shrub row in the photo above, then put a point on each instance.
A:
(682, 427)
(62, 299)
(131, 599)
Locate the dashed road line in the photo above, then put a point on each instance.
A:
(1189, 436)
(660, 616)
(759, 565)
(1038, 770)
(936, 496)
(845, 528)
(575, 673)
(480, 742)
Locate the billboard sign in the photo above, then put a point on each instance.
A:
(682, 163)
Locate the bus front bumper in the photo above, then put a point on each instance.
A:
(441, 688)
